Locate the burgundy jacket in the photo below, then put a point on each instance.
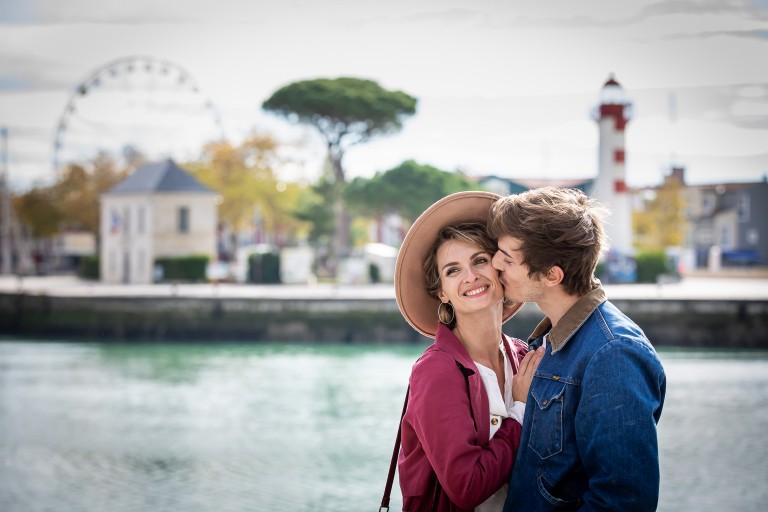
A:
(446, 461)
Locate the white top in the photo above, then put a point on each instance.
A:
(500, 408)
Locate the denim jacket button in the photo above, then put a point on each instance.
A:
(544, 402)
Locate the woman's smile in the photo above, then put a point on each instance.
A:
(476, 291)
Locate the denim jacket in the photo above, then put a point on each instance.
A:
(589, 439)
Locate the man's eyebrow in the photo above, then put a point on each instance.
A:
(505, 253)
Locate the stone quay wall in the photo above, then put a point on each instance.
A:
(667, 322)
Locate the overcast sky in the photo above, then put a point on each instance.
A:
(505, 87)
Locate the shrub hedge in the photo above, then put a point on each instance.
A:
(183, 268)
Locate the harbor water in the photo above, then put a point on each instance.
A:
(270, 427)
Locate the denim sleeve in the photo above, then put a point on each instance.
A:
(622, 396)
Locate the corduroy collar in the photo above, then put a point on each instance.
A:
(571, 320)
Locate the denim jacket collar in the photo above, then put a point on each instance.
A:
(569, 323)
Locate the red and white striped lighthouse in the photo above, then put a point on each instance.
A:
(612, 115)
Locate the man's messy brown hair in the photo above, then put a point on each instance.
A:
(556, 227)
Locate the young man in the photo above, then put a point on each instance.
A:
(589, 436)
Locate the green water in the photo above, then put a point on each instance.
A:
(151, 428)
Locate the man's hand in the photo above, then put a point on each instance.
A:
(522, 381)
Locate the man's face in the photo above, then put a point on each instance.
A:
(513, 274)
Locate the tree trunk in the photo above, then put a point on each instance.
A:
(340, 241)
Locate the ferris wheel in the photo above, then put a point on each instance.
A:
(135, 104)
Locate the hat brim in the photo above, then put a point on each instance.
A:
(416, 305)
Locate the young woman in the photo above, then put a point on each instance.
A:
(462, 424)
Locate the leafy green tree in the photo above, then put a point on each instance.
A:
(407, 190)
(345, 111)
(315, 208)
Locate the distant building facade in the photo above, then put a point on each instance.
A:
(158, 211)
(725, 224)
(733, 219)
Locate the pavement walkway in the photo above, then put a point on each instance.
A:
(690, 288)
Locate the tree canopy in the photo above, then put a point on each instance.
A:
(345, 111)
(37, 209)
(245, 177)
(408, 189)
(315, 207)
(73, 199)
(661, 224)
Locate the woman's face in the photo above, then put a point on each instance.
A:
(467, 278)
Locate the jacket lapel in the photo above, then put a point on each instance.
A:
(478, 397)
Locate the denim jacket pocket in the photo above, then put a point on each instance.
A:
(547, 425)
(560, 504)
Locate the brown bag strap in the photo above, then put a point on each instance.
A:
(393, 462)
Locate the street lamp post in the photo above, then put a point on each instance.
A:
(5, 204)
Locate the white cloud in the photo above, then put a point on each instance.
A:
(504, 87)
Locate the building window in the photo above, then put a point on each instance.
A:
(707, 204)
(753, 236)
(140, 221)
(183, 216)
(114, 222)
(141, 265)
(126, 221)
(112, 263)
(742, 207)
(725, 237)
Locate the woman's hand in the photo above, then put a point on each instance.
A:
(522, 381)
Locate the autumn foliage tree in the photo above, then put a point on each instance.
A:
(245, 175)
(345, 111)
(38, 211)
(661, 223)
(72, 201)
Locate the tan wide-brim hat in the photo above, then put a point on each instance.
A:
(416, 305)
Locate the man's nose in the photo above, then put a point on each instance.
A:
(496, 260)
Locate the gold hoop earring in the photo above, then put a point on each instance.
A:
(441, 313)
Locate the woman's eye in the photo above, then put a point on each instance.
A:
(481, 260)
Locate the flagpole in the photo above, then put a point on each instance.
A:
(5, 204)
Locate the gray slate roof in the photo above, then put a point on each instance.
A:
(159, 177)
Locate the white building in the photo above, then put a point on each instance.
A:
(158, 211)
